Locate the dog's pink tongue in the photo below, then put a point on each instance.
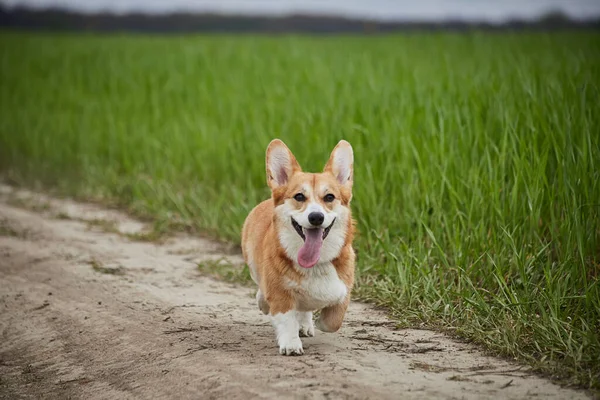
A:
(309, 254)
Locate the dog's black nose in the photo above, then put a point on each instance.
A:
(316, 218)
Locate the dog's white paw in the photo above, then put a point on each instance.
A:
(287, 328)
(305, 322)
(307, 331)
(291, 347)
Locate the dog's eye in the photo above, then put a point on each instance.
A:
(329, 198)
(299, 197)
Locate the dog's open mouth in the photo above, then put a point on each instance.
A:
(300, 230)
(310, 252)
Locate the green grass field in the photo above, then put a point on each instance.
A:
(477, 175)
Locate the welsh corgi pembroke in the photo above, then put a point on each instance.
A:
(298, 245)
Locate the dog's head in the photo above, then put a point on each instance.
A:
(312, 211)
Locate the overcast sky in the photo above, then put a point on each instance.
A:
(493, 10)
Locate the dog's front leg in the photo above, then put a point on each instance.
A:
(331, 317)
(285, 321)
(286, 327)
(305, 322)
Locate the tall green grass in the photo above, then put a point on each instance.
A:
(477, 176)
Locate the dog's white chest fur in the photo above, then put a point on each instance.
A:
(321, 287)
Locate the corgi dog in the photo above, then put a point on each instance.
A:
(298, 245)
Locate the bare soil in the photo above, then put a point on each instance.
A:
(90, 313)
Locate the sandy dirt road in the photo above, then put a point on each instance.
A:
(88, 314)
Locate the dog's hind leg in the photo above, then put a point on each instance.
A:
(262, 302)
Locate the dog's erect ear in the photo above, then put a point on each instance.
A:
(281, 164)
(341, 163)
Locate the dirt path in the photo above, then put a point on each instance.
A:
(87, 314)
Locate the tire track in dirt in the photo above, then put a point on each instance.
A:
(90, 314)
